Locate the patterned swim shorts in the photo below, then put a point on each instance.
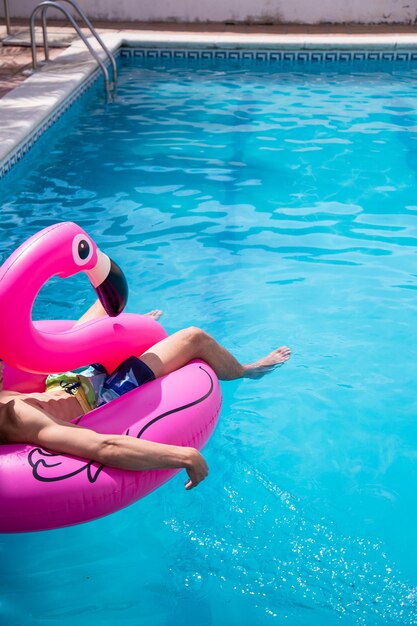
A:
(98, 386)
(127, 376)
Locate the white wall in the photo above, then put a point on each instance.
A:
(269, 11)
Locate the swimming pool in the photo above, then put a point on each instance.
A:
(269, 206)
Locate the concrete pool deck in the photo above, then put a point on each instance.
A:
(14, 60)
(30, 104)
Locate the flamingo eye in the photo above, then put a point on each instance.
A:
(82, 249)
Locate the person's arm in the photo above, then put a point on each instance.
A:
(120, 451)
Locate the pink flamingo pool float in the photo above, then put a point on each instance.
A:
(40, 489)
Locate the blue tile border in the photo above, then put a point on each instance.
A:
(21, 150)
(272, 55)
(258, 55)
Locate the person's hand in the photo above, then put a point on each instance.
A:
(196, 468)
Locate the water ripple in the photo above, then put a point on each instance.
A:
(269, 549)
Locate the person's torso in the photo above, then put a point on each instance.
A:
(58, 404)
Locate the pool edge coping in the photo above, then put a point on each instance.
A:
(29, 109)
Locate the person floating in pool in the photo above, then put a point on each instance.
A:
(43, 419)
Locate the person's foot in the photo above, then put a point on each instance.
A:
(155, 314)
(268, 363)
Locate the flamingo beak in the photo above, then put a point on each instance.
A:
(110, 284)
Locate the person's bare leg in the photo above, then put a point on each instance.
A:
(192, 343)
(96, 310)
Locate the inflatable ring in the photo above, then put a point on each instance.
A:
(40, 489)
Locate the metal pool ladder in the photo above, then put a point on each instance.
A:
(110, 85)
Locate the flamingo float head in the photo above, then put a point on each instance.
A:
(80, 253)
(63, 249)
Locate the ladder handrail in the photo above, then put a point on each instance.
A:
(51, 3)
(93, 31)
(7, 18)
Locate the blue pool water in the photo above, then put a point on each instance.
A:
(269, 207)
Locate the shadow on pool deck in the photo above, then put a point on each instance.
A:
(15, 60)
